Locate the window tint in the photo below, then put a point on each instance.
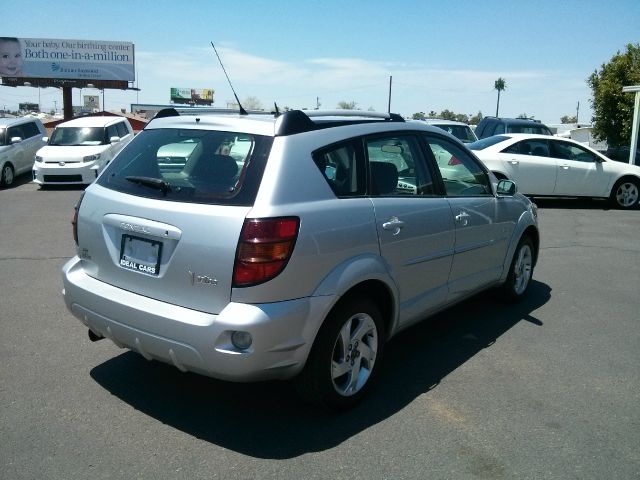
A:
(15, 132)
(499, 129)
(190, 166)
(461, 175)
(112, 131)
(461, 132)
(535, 129)
(30, 130)
(538, 148)
(397, 167)
(569, 151)
(122, 129)
(340, 166)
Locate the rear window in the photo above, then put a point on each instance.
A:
(486, 142)
(461, 132)
(535, 129)
(194, 166)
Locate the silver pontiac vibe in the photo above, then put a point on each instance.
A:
(258, 247)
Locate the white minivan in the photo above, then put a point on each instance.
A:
(79, 149)
(20, 139)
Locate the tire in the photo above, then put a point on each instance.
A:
(7, 175)
(333, 377)
(626, 193)
(520, 273)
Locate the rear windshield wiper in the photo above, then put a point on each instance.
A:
(156, 183)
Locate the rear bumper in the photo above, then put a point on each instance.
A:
(191, 340)
(70, 173)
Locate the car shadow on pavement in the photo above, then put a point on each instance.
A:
(268, 420)
(573, 203)
(18, 181)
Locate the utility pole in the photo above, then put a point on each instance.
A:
(390, 81)
(317, 103)
(578, 113)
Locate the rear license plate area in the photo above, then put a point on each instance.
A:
(140, 254)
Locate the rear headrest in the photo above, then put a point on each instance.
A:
(215, 168)
(384, 177)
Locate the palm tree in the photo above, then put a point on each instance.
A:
(499, 85)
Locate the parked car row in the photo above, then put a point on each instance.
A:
(76, 153)
(295, 246)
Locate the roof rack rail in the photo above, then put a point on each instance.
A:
(299, 121)
(166, 112)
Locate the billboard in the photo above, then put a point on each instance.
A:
(192, 96)
(66, 59)
(91, 101)
(28, 107)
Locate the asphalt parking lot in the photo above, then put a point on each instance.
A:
(547, 389)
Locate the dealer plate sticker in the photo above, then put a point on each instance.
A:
(140, 254)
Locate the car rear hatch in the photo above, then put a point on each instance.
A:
(171, 234)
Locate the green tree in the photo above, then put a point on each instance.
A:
(475, 119)
(418, 116)
(352, 105)
(568, 119)
(613, 109)
(447, 115)
(500, 85)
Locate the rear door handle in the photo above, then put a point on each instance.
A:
(463, 218)
(394, 225)
(565, 167)
(514, 162)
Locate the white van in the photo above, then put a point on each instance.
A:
(20, 139)
(79, 149)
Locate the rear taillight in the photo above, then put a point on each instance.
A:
(264, 249)
(74, 220)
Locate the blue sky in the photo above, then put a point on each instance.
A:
(441, 54)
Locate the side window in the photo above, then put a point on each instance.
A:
(340, 167)
(499, 129)
(396, 167)
(15, 132)
(122, 129)
(112, 131)
(461, 174)
(30, 130)
(569, 151)
(538, 148)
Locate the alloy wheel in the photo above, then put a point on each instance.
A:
(523, 269)
(627, 194)
(354, 354)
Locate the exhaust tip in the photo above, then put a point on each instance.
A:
(94, 337)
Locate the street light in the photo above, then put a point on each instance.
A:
(634, 128)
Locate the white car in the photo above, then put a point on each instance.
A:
(20, 139)
(79, 149)
(550, 166)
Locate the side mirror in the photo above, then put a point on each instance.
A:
(506, 188)
(16, 140)
(114, 139)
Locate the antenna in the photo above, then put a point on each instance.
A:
(242, 110)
